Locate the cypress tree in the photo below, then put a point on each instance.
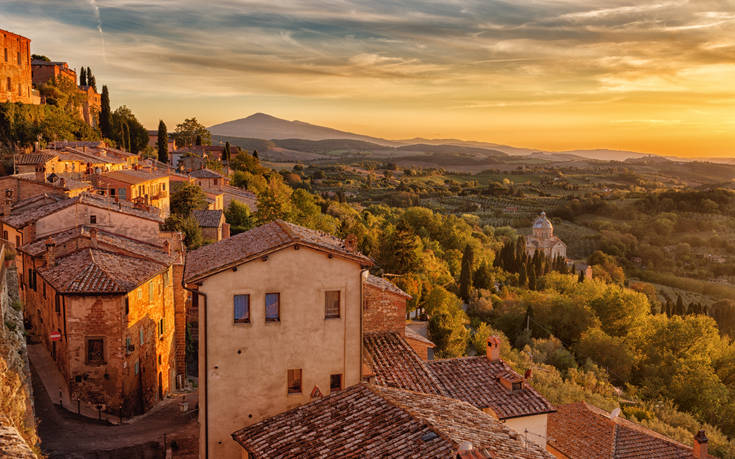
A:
(580, 279)
(105, 114)
(162, 142)
(465, 276)
(679, 306)
(255, 154)
(532, 280)
(522, 276)
(226, 153)
(91, 80)
(83, 77)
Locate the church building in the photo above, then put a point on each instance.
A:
(542, 238)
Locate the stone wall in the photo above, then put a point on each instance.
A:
(383, 310)
(15, 68)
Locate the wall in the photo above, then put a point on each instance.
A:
(19, 73)
(110, 220)
(181, 297)
(248, 363)
(536, 426)
(383, 310)
(420, 347)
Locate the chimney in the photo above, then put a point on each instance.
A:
(167, 247)
(351, 243)
(493, 349)
(50, 252)
(41, 172)
(93, 237)
(62, 182)
(700, 445)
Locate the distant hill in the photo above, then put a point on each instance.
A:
(267, 127)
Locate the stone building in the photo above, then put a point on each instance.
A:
(16, 83)
(44, 71)
(137, 186)
(111, 302)
(279, 322)
(542, 239)
(213, 225)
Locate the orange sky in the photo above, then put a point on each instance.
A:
(648, 75)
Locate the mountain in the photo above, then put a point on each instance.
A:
(264, 126)
(267, 127)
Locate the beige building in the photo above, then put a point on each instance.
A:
(542, 239)
(279, 324)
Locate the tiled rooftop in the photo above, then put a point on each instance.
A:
(385, 285)
(27, 216)
(471, 379)
(475, 380)
(205, 173)
(132, 176)
(208, 218)
(93, 271)
(372, 421)
(34, 158)
(395, 364)
(580, 430)
(259, 241)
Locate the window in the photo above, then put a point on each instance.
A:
(127, 306)
(92, 219)
(242, 309)
(331, 304)
(160, 328)
(122, 193)
(151, 287)
(140, 332)
(140, 293)
(17, 241)
(112, 192)
(516, 386)
(294, 381)
(57, 303)
(5, 235)
(128, 344)
(335, 382)
(19, 61)
(272, 307)
(137, 367)
(6, 54)
(95, 350)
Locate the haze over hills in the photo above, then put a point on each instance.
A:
(268, 127)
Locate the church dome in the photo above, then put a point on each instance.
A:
(542, 222)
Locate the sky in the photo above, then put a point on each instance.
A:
(651, 76)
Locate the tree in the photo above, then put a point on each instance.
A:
(255, 154)
(187, 198)
(187, 225)
(483, 277)
(399, 252)
(162, 142)
(190, 131)
(226, 153)
(83, 77)
(105, 114)
(127, 130)
(239, 218)
(273, 203)
(91, 80)
(465, 276)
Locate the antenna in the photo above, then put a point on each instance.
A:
(615, 413)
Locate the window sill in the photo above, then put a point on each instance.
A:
(241, 322)
(295, 393)
(332, 317)
(272, 320)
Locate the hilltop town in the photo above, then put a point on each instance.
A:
(164, 295)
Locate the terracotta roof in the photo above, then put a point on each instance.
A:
(580, 430)
(131, 176)
(93, 271)
(28, 216)
(38, 200)
(259, 241)
(34, 158)
(372, 421)
(385, 285)
(58, 144)
(414, 335)
(475, 380)
(205, 173)
(395, 364)
(100, 155)
(106, 240)
(208, 218)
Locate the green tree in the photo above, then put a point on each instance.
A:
(465, 276)
(239, 218)
(399, 252)
(187, 225)
(610, 352)
(83, 77)
(105, 114)
(187, 198)
(91, 80)
(226, 153)
(127, 130)
(273, 203)
(162, 142)
(187, 133)
(483, 277)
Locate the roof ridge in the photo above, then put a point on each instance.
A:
(284, 227)
(96, 263)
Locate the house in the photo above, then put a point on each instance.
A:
(485, 382)
(106, 316)
(209, 179)
(142, 187)
(373, 421)
(212, 223)
(17, 187)
(581, 431)
(91, 101)
(153, 141)
(279, 319)
(15, 69)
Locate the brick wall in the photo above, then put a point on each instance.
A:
(180, 304)
(15, 68)
(383, 310)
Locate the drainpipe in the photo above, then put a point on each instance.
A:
(206, 367)
(362, 312)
